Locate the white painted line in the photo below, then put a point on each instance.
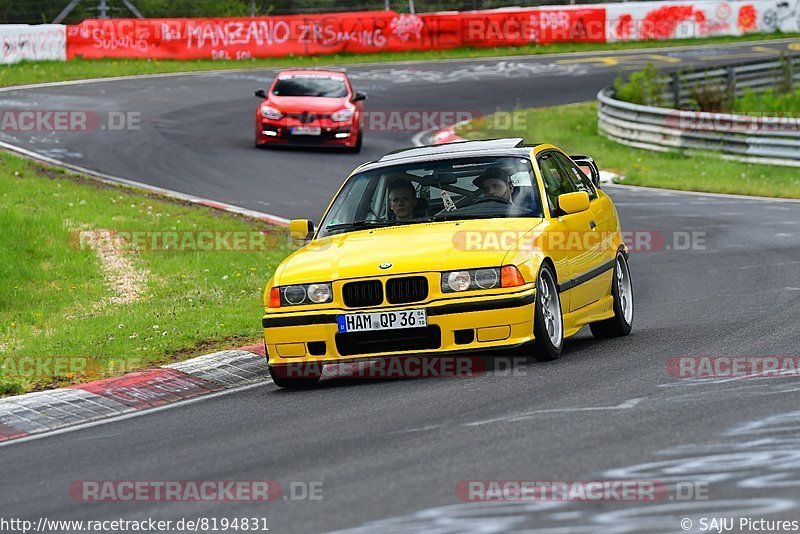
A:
(704, 194)
(628, 404)
(111, 179)
(417, 139)
(131, 415)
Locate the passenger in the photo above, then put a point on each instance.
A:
(495, 183)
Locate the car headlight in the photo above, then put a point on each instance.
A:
(489, 278)
(342, 115)
(300, 294)
(271, 113)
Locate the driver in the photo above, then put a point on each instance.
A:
(402, 198)
(495, 183)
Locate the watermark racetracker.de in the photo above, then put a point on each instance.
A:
(68, 120)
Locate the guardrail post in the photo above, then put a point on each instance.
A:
(676, 90)
(730, 78)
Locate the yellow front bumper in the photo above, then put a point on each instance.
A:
(496, 321)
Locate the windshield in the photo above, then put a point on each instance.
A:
(474, 188)
(310, 85)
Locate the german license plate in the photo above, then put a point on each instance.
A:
(306, 130)
(387, 320)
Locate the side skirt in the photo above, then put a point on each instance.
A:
(597, 311)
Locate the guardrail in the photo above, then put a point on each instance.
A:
(749, 138)
(755, 75)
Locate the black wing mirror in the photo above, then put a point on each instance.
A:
(359, 96)
(588, 166)
(261, 93)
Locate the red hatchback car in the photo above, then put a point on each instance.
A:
(311, 108)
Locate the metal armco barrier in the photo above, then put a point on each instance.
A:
(754, 138)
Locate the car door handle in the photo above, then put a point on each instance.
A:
(592, 225)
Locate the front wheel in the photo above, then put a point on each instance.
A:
(548, 321)
(622, 291)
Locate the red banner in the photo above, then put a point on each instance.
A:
(537, 25)
(304, 35)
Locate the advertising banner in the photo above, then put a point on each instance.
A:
(33, 43)
(641, 21)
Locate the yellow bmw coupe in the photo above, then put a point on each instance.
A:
(458, 248)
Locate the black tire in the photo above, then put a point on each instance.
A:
(308, 377)
(546, 311)
(359, 141)
(622, 322)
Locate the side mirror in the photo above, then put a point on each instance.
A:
(574, 202)
(359, 96)
(589, 167)
(303, 229)
(261, 93)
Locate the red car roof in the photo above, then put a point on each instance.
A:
(314, 71)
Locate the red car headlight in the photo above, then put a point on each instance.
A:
(270, 113)
(343, 115)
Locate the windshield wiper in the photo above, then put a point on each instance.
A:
(355, 225)
(454, 215)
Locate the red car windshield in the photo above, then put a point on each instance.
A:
(310, 85)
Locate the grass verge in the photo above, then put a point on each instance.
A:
(77, 69)
(574, 128)
(70, 312)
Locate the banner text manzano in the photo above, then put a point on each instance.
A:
(388, 31)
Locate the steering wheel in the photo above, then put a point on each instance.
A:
(491, 199)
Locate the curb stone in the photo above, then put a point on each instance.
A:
(45, 411)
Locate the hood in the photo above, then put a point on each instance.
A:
(437, 246)
(314, 104)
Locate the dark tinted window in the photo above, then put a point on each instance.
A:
(579, 180)
(310, 85)
(556, 180)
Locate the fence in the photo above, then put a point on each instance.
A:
(757, 76)
(753, 138)
(46, 11)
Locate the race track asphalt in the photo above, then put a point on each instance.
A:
(390, 453)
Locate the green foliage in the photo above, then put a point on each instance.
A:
(712, 96)
(644, 87)
(769, 101)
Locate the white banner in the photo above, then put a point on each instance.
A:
(640, 21)
(33, 43)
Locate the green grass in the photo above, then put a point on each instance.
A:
(574, 128)
(770, 101)
(51, 71)
(52, 291)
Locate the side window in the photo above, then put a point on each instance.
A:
(556, 180)
(579, 180)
